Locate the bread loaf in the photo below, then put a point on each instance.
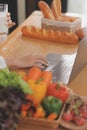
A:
(82, 32)
(56, 8)
(50, 35)
(44, 7)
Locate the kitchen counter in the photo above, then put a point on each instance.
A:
(17, 45)
(20, 44)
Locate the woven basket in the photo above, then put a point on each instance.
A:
(62, 25)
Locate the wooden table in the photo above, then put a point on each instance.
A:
(17, 45)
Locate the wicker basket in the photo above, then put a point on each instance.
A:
(62, 25)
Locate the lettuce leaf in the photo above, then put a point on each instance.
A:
(14, 80)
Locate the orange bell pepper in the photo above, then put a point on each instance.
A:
(38, 91)
(40, 113)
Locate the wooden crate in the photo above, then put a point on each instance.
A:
(30, 123)
(41, 124)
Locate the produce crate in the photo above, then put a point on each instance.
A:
(41, 124)
(62, 23)
(30, 123)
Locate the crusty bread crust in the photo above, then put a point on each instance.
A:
(44, 7)
(56, 8)
(50, 35)
(82, 32)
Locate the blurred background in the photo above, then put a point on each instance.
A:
(21, 9)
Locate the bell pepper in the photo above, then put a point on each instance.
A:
(39, 89)
(52, 105)
(39, 113)
(58, 90)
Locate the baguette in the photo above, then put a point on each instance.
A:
(50, 35)
(56, 8)
(44, 7)
(82, 32)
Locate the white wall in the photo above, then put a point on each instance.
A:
(77, 6)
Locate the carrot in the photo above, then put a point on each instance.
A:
(47, 77)
(52, 116)
(24, 113)
(34, 73)
(25, 106)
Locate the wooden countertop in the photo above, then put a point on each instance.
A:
(17, 45)
(20, 44)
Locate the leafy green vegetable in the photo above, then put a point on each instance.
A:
(14, 80)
